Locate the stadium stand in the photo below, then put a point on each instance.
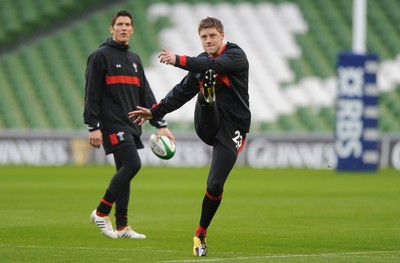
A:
(43, 52)
(22, 19)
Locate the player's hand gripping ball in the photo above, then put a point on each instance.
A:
(163, 147)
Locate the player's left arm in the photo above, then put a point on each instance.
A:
(175, 98)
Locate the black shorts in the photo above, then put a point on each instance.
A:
(119, 140)
(232, 137)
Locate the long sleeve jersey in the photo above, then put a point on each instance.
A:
(231, 89)
(115, 85)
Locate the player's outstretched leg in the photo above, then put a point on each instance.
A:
(206, 114)
(208, 89)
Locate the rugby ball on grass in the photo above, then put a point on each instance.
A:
(163, 147)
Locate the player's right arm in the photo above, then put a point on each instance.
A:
(94, 84)
(95, 138)
(177, 97)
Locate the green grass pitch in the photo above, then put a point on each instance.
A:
(265, 216)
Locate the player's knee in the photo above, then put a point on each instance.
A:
(215, 189)
(133, 169)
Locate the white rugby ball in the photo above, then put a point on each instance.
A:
(163, 147)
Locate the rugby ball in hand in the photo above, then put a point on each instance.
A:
(163, 147)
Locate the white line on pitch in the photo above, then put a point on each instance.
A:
(365, 253)
(144, 249)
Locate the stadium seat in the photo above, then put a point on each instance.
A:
(28, 100)
(10, 113)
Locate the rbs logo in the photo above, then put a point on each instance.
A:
(349, 124)
(349, 128)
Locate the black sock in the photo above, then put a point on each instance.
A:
(209, 208)
(121, 218)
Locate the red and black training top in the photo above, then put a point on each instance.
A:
(232, 97)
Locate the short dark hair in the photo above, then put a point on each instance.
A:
(121, 13)
(211, 22)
